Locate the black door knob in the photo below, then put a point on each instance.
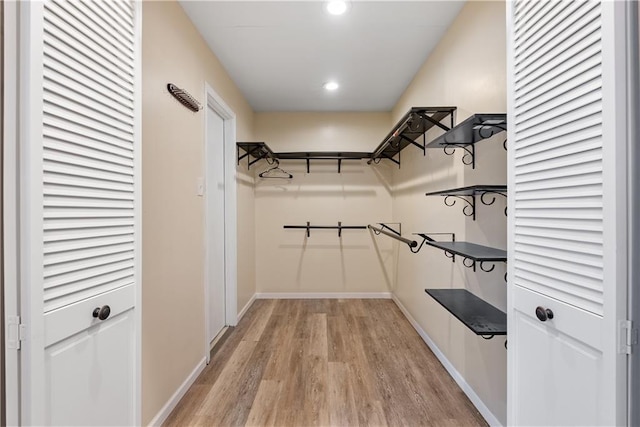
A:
(102, 312)
(543, 314)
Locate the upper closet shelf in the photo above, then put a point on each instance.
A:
(260, 150)
(324, 155)
(257, 150)
(414, 124)
(468, 195)
(471, 131)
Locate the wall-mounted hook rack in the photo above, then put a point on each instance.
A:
(338, 227)
(468, 196)
(184, 98)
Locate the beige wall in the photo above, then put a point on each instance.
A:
(287, 261)
(173, 215)
(467, 69)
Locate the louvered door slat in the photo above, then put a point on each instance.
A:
(59, 144)
(88, 134)
(83, 61)
(60, 18)
(584, 21)
(558, 152)
(86, 236)
(584, 48)
(118, 38)
(541, 32)
(119, 12)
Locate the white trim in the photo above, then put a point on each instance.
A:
(457, 377)
(10, 213)
(173, 401)
(246, 307)
(137, 414)
(511, 176)
(614, 208)
(323, 295)
(32, 367)
(215, 102)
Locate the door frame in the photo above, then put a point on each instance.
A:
(10, 212)
(633, 52)
(25, 20)
(217, 104)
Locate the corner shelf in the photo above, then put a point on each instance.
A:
(469, 251)
(475, 313)
(468, 195)
(415, 123)
(257, 150)
(465, 135)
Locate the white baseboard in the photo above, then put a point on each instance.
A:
(171, 404)
(458, 378)
(246, 307)
(324, 295)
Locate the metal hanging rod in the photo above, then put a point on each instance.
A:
(184, 98)
(338, 227)
(393, 234)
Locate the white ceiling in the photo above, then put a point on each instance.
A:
(280, 53)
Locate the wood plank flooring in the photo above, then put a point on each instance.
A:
(324, 363)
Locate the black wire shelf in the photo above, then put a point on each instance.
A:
(475, 313)
(465, 135)
(486, 193)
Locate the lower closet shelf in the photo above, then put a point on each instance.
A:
(476, 314)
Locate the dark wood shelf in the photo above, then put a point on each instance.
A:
(476, 128)
(475, 313)
(465, 135)
(471, 190)
(469, 250)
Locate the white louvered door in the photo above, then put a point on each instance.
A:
(567, 231)
(81, 230)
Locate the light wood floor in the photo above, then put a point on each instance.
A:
(324, 362)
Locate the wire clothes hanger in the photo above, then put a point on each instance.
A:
(275, 172)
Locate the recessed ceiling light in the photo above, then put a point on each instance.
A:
(331, 86)
(336, 7)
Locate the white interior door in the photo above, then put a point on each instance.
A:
(215, 199)
(567, 227)
(80, 233)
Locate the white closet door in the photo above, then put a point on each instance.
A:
(80, 237)
(566, 222)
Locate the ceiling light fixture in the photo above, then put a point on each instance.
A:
(337, 7)
(331, 86)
